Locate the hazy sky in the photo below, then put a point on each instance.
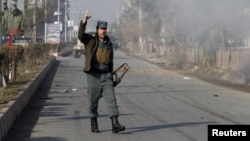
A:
(99, 9)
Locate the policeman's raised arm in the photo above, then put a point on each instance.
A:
(86, 16)
(84, 38)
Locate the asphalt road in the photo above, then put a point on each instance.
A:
(155, 105)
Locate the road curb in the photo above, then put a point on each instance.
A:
(13, 108)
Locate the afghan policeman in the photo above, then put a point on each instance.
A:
(99, 67)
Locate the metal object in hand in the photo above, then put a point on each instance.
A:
(124, 68)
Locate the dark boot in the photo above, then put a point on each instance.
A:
(116, 127)
(94, 125)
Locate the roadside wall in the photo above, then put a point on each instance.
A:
(229, 59)
(233, 59)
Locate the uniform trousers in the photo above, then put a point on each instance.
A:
(101, 85)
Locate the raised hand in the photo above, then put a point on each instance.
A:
(86, 16)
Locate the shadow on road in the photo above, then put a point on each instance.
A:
(87, 117)
(48, 139)
(174, 126)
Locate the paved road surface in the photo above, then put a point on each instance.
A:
(155, 105)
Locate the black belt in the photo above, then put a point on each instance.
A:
(100, 71)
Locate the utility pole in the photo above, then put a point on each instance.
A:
(58, 10)
(2, 80)
(140, 28)
(71, 24)
(34, 23)
(1, 25)
(45, 20)
(65, 21)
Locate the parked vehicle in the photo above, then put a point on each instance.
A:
(78, 49)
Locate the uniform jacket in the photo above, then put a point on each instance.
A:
(91, 45)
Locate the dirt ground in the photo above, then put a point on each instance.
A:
(23, 77)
